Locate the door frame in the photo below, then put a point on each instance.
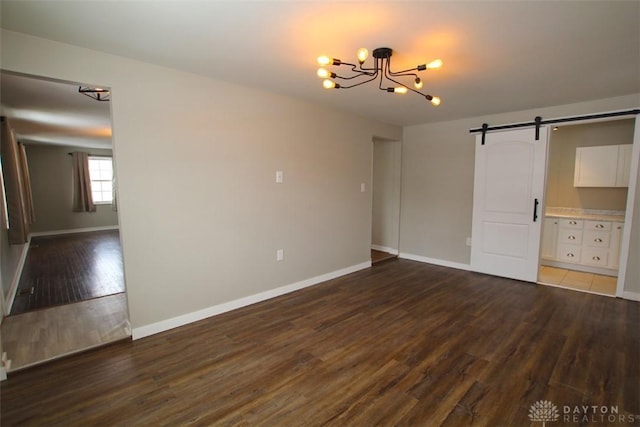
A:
(631, 194)
(631, 197)
(396, 183)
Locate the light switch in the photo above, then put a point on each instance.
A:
(362, 187)
(279, 177)
(279, 254)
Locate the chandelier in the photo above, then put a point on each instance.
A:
(381, 68)
(96, 93)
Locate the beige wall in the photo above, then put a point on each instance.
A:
(50, 170)
(562, 154)
(200, 214)
(437, 179)
(387, 164)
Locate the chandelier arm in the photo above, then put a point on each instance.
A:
(407, 87)
(361, 83)
(355, 69)
(397, 73)
(414, 75)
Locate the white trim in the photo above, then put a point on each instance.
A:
(74, 230)
(384, 249)
(633, 296)
(164, 325)
(16, 277)
(628, 217)
(443, 263)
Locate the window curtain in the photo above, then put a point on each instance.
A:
(82, 198)
(17, 185)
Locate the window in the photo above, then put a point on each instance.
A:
(101, 173)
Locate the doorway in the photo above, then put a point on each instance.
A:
(51, 119)
(386, 181)
(585, 206)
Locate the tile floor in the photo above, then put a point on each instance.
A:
(40, 335)
(596, 283)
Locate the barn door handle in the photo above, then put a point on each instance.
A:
(535, 209)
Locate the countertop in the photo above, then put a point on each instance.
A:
(592, 214)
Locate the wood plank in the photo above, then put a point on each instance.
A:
(69, 268)
(403, 343)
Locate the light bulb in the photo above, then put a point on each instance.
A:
(323, 73)
(324, 60)
(435, 101)
(328, 84)
(400, 89)
(362, 55)
(436, 63)
(418, 83)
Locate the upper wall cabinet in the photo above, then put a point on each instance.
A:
(602, 166)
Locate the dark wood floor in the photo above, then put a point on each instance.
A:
(380, 256)
(69, 268)
(403, 343)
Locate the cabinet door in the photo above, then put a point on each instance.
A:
(596, 166)
(624, 165)
(549, 237)
(616, 241)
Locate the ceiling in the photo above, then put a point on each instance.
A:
(49, 112)
(498, 56)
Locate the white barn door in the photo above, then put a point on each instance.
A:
(507, 203)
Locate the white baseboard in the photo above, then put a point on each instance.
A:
(13, 289)
(164, 325)
(74, 230)
(443, 263)
(633, 296)
(385, 249)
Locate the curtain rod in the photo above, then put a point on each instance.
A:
(538, 121)
(94, 155)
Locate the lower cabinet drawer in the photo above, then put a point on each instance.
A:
(573, 237)
(596, 238)
(594, 256)
(568, 253)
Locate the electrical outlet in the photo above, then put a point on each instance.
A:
(279, 254)
(279, 177)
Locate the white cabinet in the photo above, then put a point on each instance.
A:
(616, 240)
(624, 165)
(549, 238)
(581, 243)
(602, 166)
